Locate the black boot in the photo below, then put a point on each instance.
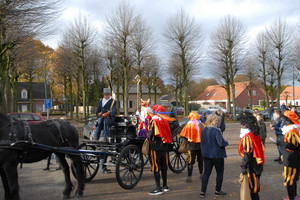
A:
(190, 172)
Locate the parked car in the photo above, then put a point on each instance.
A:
(265, 114)
(215, 108)
(238, 112)
(89, 127)
(31, 118)
(258, 107)
(201, 112)
(179, 110)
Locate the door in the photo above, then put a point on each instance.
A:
(24, 108)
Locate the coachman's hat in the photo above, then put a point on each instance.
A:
(106, 91)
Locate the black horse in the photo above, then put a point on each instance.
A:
(18, 144)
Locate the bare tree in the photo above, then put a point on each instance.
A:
(279, 36)
(64, 68)
(79, 38)
(227, 51)
(121, 27)
(150, 75)
(20, 20)
(96, 70)
(251, 76)
(175, 75)
(112, 64)
(143, 46)
(261, 54)
(184, 40)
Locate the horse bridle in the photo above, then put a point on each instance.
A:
(5, 126)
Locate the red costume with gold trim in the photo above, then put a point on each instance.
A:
(251, 143)
(161, 125)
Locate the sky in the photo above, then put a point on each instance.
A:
(256, 15)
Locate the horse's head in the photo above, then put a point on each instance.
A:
(6, 127)
(4, 121)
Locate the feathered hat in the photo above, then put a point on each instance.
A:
(194, 115)
(292, 116)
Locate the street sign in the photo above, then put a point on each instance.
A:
(48, 103)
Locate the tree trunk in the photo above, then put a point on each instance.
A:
(71, 97)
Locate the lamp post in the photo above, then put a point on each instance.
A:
(294, 85)
(45, 83)
(138, 80)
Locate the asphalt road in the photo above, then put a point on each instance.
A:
(36, 184)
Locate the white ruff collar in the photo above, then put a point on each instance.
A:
(244, 131)
(287, 128)
(156, 117)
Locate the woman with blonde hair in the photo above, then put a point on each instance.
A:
(213, 152)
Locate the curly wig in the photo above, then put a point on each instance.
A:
(249, 121)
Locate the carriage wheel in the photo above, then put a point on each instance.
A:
(129, 167)
(91, 163)
(177, 160)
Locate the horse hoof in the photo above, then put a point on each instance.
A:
(78, 196)
(66, 196)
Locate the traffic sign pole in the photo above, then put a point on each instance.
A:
(48, 105)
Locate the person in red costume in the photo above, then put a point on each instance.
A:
(251, 149)
(159, 136)
(192, 131)
(290, 153)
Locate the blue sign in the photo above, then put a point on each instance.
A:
(48, 103)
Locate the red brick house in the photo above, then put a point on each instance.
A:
(216, 95)
(287, 96)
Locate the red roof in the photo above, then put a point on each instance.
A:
(289, 92)
(218, 92)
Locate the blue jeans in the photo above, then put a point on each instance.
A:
(102, 125)
(279, 138)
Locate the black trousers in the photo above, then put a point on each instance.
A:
(209, 163)
(191, 161)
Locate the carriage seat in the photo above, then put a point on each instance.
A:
(122, 128)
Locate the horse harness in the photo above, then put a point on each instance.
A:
(14, 144)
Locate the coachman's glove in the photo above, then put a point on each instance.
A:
(100, 114)
(104, 115)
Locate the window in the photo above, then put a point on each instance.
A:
(254, 93)
(130, 104)
(207, 94)
(24, 94)
(121, 104)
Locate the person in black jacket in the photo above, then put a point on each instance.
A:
(106, 113)
(221, 122)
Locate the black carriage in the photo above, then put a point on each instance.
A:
(124, 148)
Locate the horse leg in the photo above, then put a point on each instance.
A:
(5, 184)
(78, 167)
(66, 171)
(9, 175)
